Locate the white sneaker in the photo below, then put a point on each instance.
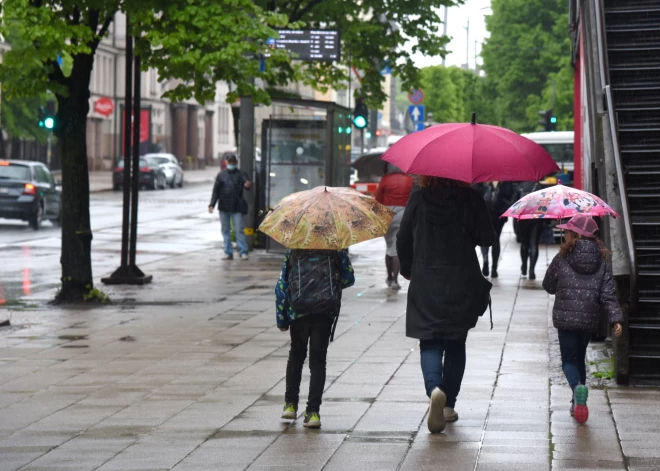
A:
(244, 256)
(450, 414)
(436, 418)
(227, 257)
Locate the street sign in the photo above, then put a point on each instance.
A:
(308, 44)
(104, 106)
(417, 112)
(416, 97)
(419, 126)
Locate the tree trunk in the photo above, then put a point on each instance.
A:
(71, 131)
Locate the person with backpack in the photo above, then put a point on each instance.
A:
(443, 223)
(498, 197)
(228, 194)
(581, 281)
(308, 299)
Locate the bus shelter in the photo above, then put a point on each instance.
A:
(303, 150)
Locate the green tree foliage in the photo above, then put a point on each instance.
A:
(528, 47)
(372, 33)
(453, 94)
(20, 118)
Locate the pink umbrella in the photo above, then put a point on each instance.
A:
(559, 202)
(471, 153)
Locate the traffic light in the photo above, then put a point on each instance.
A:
(360, 114)
(47, 115)
(548, 120)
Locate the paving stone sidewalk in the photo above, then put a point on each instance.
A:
(188, 374)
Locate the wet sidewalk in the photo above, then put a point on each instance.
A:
(188, 374)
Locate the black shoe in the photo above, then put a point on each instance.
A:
(523, 269)
(485, 270)
(532, 275)
(493, 272)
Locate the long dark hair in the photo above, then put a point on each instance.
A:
(567, 247)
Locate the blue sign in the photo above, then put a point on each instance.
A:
(417, 113)
(419, 126)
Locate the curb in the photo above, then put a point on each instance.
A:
(187, 185)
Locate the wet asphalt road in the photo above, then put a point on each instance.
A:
(171, 222)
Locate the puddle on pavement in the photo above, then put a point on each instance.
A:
(72, 338)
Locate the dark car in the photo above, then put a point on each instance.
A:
(28, 192)
(152, 176)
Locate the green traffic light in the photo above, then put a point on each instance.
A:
(368, 135)
(360, 122)
(348, 130)
(340, 130)
(553, 119)
(49, 123)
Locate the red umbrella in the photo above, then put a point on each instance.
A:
(471, 153)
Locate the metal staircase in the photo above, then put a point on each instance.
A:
(633, 51)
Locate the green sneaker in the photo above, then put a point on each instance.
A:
(290, 412)
(312, 420)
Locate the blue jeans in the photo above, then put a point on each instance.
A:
(573, 346)
(447, 375)
(226, 221)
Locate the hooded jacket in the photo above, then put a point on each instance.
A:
(436, 246)
(582, 283)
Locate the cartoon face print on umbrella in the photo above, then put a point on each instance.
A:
(545, 203)
(582, 204)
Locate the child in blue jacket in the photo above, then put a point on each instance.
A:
(315, 329)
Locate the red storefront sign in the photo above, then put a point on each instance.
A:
(104, 106)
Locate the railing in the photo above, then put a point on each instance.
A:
(614, 133)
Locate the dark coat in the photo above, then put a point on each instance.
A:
(228, 191)
(583, 284)
(436, 246)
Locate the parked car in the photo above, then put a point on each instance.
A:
(28, 192)
(171, 166)
(152, 176)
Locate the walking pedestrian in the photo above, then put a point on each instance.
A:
(443, 223)
(228, 194)
(393, 191)
(529, 234)
(308, 300)
(582, 282)
(498, 196)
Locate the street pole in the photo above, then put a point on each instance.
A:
(362, 140)
(128, 273)
(246, 156)
(467, 45)
(135, 174)
(444, 32)
(49, 147)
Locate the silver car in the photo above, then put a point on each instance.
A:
(171, 167)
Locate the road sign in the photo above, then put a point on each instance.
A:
(416, 97)
(417, 112)
(307, 44)
(419, 126)
(104, 106)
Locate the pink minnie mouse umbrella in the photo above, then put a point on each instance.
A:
(559, 202)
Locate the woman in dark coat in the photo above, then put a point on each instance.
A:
(443, 223)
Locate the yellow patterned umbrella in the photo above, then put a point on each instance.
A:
(326, 218)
